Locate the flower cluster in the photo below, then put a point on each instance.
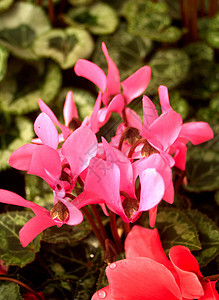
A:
(126, 176)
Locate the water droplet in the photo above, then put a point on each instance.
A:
(112, 266)
(91, 255)
(102, 294)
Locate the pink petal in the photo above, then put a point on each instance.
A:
(14, 199)
(141, 278)
(180, 155)
(136, 84)
(116, 104)
(46, 163)
(91, 72)
(188, 271)
(152, 189)
(144, 242)
(79, 148)
(46, 131)
(104, 293)
(44, 108)
(126, 172)
(21, 158)
(166, 129)
(152, 216)
(69, 109)
(164, 98)
(196, 132)
(112, 79)
(133, 118)
(149, 112)
(210, 291)
(93, 121)
(34, 227)
(75, 215)
(103, 178)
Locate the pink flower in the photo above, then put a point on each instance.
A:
(110, 86)
(167, 134)
(113, 181)
(147, 274)
(43, 219)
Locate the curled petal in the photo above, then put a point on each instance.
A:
(46, 131)
(136, 84)
(164, 98)
(188, 271)
(144, 242)
(69, 109)
(149, 113)
(141, 278)
(91, 72)
(21, 158)
(79, 148)
(196, 132)
(45, 108)
(113, 79)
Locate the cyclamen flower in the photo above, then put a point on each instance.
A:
(110, 85)
(147, 274)
(43, 218)
(113, 181)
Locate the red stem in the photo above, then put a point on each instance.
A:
(99, 221)
(21, 284)
(94, 227)
(114, 231)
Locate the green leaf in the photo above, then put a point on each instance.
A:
(5, 4)
(212, 36)
(11, 250)
(168, 67)
(175, 228)
(3, 61)
(19, 134)
(24, 84)
(126, 50)
(146, 18)
(208, 235)
(202, 170)
(67, 234)
(65, 46)
(20, 26)
(98, 18)
(10, 291)
(199, 51)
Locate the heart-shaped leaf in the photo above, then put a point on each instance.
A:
(20, 26)
(65, 46)
(11, 250)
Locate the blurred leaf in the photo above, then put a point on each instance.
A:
(212, 36)
(20, 26)
(11, 250)
(9, 291)
(19, 134)
(5, 4)
(150, 19)
(208, 235)
(175, 228)
(3, 61)
(126, 50)
(211, 113)
(98, 18)
(202, 170)
(168, 67)
(65, 46)
(199, 51)
(24, 84)
(80, 2)
(67, 234)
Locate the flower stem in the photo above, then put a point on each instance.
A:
(211, 277)
(21, 284)
(114, 231)
(94, 227)
(99, 221)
